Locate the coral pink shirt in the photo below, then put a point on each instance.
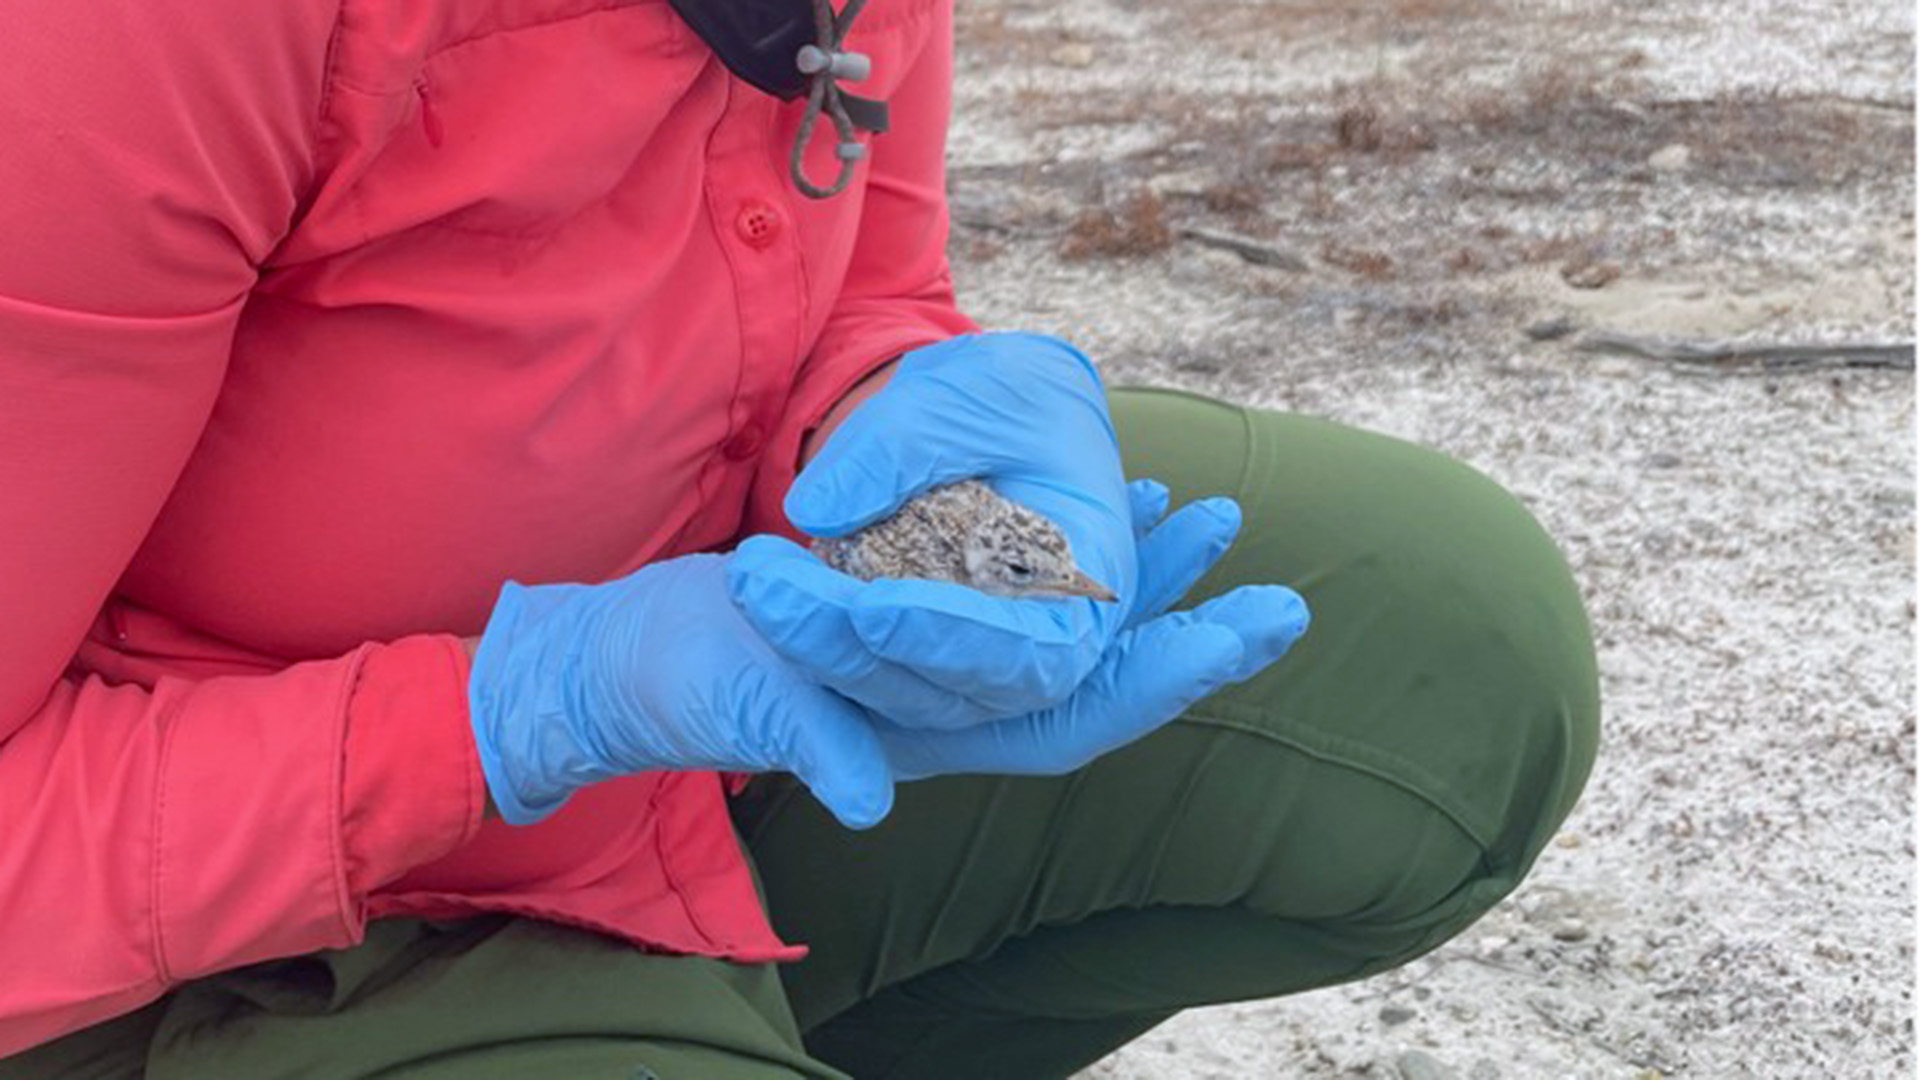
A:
(318, 321)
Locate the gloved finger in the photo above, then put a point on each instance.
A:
(1148, 499)
(1180, 552)
(1268, 619)
(802, 608)
(970, 406)
(888, 450)
(1011, 656)
(832, 747)
(1152, 675)
(799, 605)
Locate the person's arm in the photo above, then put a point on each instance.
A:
(154, 156)
(868, 386)
(898, 292)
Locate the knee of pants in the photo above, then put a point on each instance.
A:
(1441, 714)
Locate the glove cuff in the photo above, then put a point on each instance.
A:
(503, 699)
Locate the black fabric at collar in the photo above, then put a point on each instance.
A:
(756, 39)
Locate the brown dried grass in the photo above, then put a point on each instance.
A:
(1136, 227)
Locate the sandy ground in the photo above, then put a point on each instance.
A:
(1409, 214)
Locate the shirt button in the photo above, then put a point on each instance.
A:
(757, 223)
(745, 443)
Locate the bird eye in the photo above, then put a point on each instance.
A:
(1019, 570)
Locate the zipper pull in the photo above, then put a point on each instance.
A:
(429, 120)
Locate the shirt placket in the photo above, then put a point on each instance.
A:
(758, 236)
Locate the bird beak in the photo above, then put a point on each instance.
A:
(1082, 585)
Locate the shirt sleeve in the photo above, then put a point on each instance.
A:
(898, 292)
(154, 155)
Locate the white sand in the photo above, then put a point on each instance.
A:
(1734, 896)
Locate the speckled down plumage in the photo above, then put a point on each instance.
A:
(969, 534)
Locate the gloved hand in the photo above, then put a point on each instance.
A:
(1158, 666)
(1028, 414)
(892, 645)
(573, 684)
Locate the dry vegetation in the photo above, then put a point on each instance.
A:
(1433, 186)
(1486, 164)
(1137, 226)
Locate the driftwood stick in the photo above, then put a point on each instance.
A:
(1247, 248)
(981, 223)
(1761, 357)
(1251, 250)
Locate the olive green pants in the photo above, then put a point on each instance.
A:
(1354, 806)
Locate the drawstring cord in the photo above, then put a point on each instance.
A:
(824, 63)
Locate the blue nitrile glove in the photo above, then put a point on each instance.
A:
(1158, 667)
(574, 684)
(818, 618)
(1027, 413)
(1151, 675)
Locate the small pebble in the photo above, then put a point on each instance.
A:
(1420, 1065)
(1630, 110)
(1074, 54)
(1192, 183)
(1484, 1070)
(1590, 275)
(1672, 158)
(1570, 930)
(1392, 1015)
(1552, 329)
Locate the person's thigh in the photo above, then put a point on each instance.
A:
(1450, 653)
(482, 999)
(1355, 805)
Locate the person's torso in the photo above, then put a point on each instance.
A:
(540, 311)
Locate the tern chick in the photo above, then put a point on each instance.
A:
(969, 534)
